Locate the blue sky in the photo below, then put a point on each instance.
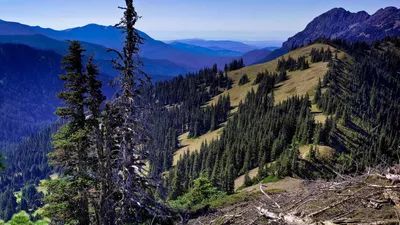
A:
(178, 19)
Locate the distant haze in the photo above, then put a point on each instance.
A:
(250, 20)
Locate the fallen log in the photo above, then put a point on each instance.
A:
(285, 218)
(339, 202)
(269, 197)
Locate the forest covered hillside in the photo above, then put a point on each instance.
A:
(29, 86)
(362, 129)
(309, 137)
(298, 82)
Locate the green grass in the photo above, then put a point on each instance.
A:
(239, 197)
(224, 201)
(270, 179)
(233, 199)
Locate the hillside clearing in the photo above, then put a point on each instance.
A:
(240, 180)
(325, 152)
(286, 184)
(193, 144)
(318, 115)
(298, 83)
(304, 81)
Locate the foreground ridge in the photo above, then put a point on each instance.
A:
(370, 198)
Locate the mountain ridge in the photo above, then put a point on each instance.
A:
(219, 44)
(154, 67)
(339, 23)
(110, 36)
(205, 51)
(343, 24)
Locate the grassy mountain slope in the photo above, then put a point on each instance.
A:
(298, 83)
(360, 93)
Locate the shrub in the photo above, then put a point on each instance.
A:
(199, 196)
(244, 80)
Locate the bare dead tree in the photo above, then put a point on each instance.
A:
(127, 188)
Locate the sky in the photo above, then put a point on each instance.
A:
(245, 20)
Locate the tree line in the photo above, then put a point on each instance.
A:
(291, 64)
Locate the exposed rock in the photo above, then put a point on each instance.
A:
(360, 26)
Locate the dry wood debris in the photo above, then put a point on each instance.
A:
(371, 198)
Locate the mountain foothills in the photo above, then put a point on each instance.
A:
(196, 148)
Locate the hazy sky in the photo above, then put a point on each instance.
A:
(178, 19)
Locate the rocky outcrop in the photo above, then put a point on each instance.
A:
(360, 26)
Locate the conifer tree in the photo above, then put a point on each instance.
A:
(176, 184)
(230, 175)
(71, 141)
(247, 180)
(318, 93)
(345, 118)
(100, 195)
(261, 167)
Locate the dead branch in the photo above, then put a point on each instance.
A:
(383, 186)
(341, 215)
(269, 197)
(285, 218)
(305, 202)
(363, 222)
(338, 203)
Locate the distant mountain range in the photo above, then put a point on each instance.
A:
(42, 42)
(159, 69)
(204, 51)
(271, 45)
(167, 59)
(255, 56)
(182, 56)
(218, 45)
(340, 23)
